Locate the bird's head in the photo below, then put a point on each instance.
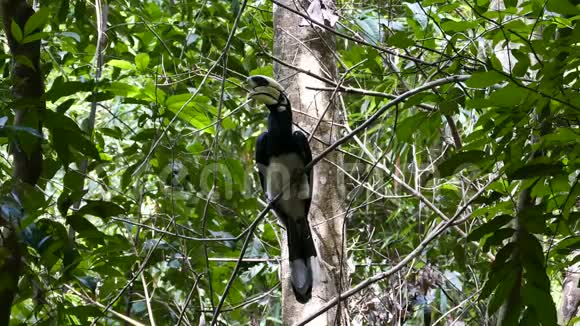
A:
(269, 92)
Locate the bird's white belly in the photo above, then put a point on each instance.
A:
(278, 175)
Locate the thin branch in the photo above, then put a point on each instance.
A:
(331, 100)
(245, 260)
(100, 305)
(454, 132)
(401, 98)
(147, 300)
(187, 301)
(360, 91)
(101, 13)
(437, 231)
(185, 237)
(348, 37)
(241, 257)
(198, 89)
(443, 317)
(339, 87)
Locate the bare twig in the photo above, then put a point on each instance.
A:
(436, 232)
(401, 98)
(147, 300)
(187, 301)
(348, 37)
(241, 258)
(100, 305)
(364, 92)
(245, 260)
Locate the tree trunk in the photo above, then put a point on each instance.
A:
(312, 49)
(27, 90)
(570, 295)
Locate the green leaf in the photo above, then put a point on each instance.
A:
(574, 321)
(503, 256)
(56, 120)
(77, 141)
(411, 125)
(522, 66)
(574, 193)
(536, 274)
(126, 177)
(509, 96)
(453, 98)
(89, 282)
(400, 40)
(35, 37)
(568, 244)
(459, 254)
(489, 227)
(60, 89)
(84, 228)
(497, 238)
(102, 209)
(534, 220)
(67, 134)
(12, 132)
(73, 191)
(122, 64)
(64, 106)
(460, 161)
(36, 21)
(451, 26)
(502, 292)
(124, 89)
(237, 65)
(235, 6)
(560, 136)
(55, 230)
(542, 303)
(510, 3)
(24, 60)
(485, 79)
(266, 70)
(534, 170)
(371, 28)
(16, 31)
(73, 35)
(141, 61)
(195, 110)
(531, 248)
(563, 7)
(497, 274)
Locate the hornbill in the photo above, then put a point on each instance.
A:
(281, 156)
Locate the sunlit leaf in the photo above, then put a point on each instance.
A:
(141, 61)
(485, 79)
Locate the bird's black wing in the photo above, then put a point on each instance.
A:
(301, 248)
(303, 145)
(262, 158)
(302, 142)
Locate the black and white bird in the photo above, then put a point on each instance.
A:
(281, 156)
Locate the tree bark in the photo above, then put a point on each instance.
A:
(570, 295)
(312, 49)
(27, 91)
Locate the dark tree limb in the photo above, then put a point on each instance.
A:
(27, 91)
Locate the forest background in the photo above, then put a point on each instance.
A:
(460, 161)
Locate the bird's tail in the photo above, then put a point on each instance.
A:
(301, 250)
